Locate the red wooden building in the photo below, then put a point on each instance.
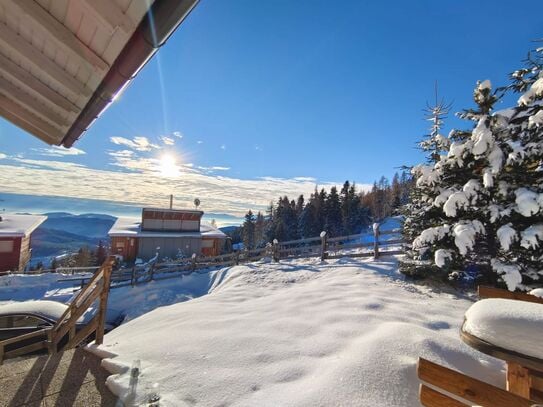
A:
(15, 248)
(174, 231)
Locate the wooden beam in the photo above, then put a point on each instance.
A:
(75, 315)
(431, 398)
(27, 127)
(29, 122)
(26, 349)
(467, 387)
(8, 89)
(500, 353)
(107, 268)
(518, 380)
(110, 14)
(76, 300)
(491, 292)
(26, 50)
(10, 68)
(53, 28)
(24, 337)
(83, 333)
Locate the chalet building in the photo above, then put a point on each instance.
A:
(15, 231)
(174, 231)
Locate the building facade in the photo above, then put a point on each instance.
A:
(15, 240)
(169, 232)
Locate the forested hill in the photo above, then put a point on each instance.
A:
(339, 212)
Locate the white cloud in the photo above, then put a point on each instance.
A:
(141, 183)
(199, 142)
(59, 151)
(213, 168)
(167, 140)
(2, 156)
(178, 134)
(121, 153)
(138, 143)
(223, 147)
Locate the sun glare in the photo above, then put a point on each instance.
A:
(168, 166)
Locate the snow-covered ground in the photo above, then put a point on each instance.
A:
(294, 333)
(128, 301)
(297, 333)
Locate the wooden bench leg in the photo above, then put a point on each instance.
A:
(518, 380)
(536, 385)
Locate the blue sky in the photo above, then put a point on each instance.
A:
(283, 95)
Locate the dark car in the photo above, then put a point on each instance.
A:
(19, 318)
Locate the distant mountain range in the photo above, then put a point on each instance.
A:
(64, 233)
(89, 225)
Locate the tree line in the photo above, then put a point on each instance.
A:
(338, 212)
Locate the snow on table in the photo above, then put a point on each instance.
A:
(509, 324)
(296, 333)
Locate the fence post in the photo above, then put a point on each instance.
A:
(275, 247)
(193, 262)
(376, 240)
(107, 267)
(324, 245)
(152, 272)
(236, 258)
(133, 279)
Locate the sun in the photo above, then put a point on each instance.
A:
(168, 166)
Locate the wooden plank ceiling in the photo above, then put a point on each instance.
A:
(54, 54)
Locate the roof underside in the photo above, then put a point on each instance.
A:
(63, 61)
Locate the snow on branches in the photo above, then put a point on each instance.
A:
(484, 191)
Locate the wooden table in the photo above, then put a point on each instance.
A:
(524, 373)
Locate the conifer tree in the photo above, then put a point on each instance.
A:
(248, 233)
(333, 213)
(420, 212)
(260, 225)
(101, 253)
(489, 188)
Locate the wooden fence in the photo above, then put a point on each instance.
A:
(64, 333)
(321, 247)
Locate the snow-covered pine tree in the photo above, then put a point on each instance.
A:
(490, 188)
(420, 212)
(248, 230)
(518, 207)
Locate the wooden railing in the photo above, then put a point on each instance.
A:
(64, 333)
(323, 247)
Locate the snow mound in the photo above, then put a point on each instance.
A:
(295, 333)
(510, 324)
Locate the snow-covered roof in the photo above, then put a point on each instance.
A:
(19, 225)
(509, 324)
(131, 227)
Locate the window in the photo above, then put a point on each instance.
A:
(6, 246)
(24, 321)
(6, 322)
(206, 244)
(120, 245)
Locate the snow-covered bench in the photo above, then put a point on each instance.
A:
(509, 327)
